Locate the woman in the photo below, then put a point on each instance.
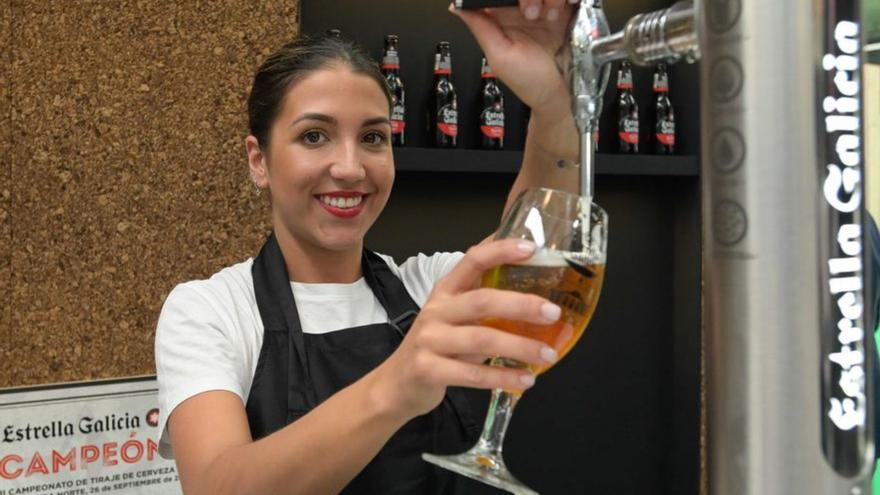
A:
(306, 370)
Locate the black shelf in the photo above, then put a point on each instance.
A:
(508, 162)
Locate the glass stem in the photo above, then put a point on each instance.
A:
(500, 411)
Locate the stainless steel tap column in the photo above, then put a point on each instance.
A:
(788, 369)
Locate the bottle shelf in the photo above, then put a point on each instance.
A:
(508, 162)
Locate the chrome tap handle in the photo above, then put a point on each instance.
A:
(666, 35)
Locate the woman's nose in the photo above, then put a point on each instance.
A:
(347, 164)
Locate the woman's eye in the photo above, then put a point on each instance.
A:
(374, 138)
(313, 137)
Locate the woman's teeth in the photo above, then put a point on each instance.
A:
(338, 202)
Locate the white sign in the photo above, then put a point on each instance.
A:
(83, 438)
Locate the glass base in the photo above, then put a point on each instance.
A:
(483, 468)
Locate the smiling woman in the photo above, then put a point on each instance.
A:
(324, 151)
(320, 366)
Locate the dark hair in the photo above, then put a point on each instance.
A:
(291, 63)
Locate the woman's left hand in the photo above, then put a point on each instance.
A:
(521, 45)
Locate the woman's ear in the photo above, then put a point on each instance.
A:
(257, 162)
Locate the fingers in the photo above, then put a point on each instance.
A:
(543, 9)
(494, 303)
(462, 342)
(553, 9)
(531, 9)
(451, 372)
(480, 259)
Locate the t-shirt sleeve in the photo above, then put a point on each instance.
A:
(421, 272)
(195, 351)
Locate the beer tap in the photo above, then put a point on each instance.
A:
(588, 80)
(665, 35)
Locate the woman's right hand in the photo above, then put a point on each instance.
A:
(446, 344)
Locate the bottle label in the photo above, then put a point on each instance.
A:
(447, 120)
(486, 71)
(492, 123)
(398, 122)
(390, 60)
(629, 131)
(661, 83)
(666, 133)
(624, 80)
(442, 65)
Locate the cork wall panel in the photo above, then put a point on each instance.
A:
(5, 192)
(126, 173)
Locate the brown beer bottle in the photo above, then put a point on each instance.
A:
(443, 110)
(664, 127)
(628, 111)
(391, 70)
(492, 110)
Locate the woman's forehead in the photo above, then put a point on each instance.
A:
(335, 89)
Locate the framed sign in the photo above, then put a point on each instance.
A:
(83, 438)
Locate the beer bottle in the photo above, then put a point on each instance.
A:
(391, 70)
(333, 33)
(664, 127)
(492, 113)
(443, 111)
(628, 111)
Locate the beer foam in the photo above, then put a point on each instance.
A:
(547, 257)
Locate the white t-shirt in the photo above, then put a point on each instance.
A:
(210, 332)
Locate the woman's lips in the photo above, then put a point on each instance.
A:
(342, 206)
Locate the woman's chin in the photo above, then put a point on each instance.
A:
(342, 243)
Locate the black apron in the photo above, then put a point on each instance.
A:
(296, 372)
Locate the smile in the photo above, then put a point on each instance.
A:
(339, 202)
(343, 204)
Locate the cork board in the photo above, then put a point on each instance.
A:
(124, 171)
(5, 193)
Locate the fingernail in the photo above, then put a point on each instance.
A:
(527, 380)
(573, 1)
(552, 15)
(551, 311)
(527, 247)
(549, 355)
(532, 12)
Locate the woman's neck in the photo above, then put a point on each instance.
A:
(312, 264)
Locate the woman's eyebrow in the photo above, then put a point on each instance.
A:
(314, 116)
(376, 120)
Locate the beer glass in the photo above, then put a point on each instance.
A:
(567, 268)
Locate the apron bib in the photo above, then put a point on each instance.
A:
(296, 372)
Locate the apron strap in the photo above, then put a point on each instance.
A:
(390, 291)
(278, 312)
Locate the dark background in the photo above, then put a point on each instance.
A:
(620, 414)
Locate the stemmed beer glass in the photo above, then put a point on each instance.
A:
(567, 268)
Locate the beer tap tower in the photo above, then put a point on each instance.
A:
(787, 355)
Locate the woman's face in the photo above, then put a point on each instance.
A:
(329, 165)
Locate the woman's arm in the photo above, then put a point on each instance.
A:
(322, 451)
(319, 453)
(523, 53)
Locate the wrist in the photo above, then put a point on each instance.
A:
(554, 133)
(383, 399)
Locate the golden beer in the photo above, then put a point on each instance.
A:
(573, 286)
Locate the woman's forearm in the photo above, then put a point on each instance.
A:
(552, 136)
(319, 453)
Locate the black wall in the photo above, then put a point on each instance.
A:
(620, 414)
